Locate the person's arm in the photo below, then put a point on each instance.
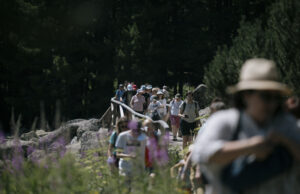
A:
(181, 110)
(187, 166)
(110, 150)
(149, 109)
(122, 155)
(112, 142)
(291, 145)
(124, 96)
(198, 174)
(179, 164)
(257, 145)
(131, 101)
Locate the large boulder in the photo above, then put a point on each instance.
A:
(41, 133)
(87, 125)
(11, 145)
(93, 139)
(69, 130)
(84, 133)
(28, 136)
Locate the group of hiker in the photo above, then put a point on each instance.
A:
(251, 147)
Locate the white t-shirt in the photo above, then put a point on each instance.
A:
(129, 145)
(220, 128)
(175, 107)
(163, 110)
(154, 106)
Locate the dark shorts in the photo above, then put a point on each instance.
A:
(187, 128)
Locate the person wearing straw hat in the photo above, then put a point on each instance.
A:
(251, 133)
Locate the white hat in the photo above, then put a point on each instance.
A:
(259, 74)
(160, 92)
(129, 87)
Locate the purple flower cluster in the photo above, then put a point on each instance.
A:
(132, 124)
(59, 146)
(18, 156)
(158, 150)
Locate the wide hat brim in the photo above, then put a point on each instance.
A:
(259, 85)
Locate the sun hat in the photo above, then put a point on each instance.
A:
(121, 85)
(143, 87)
(140, 91)
(134, 87)
(259, 74)
(160, 93)
(177, 95)
(149, 87)
(129, 87)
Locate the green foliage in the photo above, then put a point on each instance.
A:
(275, 36)
(88, 174)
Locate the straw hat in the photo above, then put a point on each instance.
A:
(259, 74)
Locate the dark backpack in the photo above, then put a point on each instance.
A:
(155, 116)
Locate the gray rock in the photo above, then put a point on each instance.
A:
(41, 133)
(85, 134)
(204, 113)
(87, 125)
(200, 95)
(74, 121)
(74, 147)
(10, 145)
(37, 155)
(74, 140)
(92, 140)
(28, 136)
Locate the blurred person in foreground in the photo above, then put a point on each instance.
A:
(131, 147)
(199, 180)
(238, 150)
(293, 106)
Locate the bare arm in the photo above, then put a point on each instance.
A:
(131, 102)
(110, 150)
(120, 154)
(187, 166)
(256, 145)
(179, 164)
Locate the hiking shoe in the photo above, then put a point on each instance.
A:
(174, 139)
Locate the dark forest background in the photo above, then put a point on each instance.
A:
(61, 59)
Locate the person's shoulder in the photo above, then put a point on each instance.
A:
(124, 133)
(286, 119)
(114, 133)
(227, 116)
